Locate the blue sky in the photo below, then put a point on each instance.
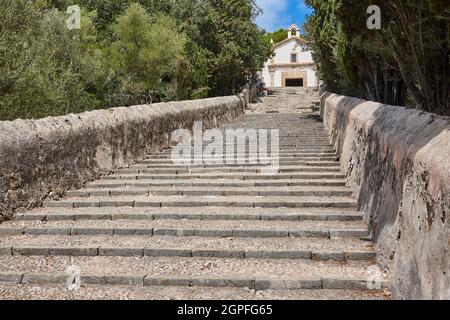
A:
(279, 13)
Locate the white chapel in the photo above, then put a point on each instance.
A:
(292, 64)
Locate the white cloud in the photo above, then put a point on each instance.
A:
(274, 15)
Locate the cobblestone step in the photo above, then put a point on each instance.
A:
(185, 227)
(257, 274)
(193, 213)
(168, 246)
(90, 251)
(205, 183)
(268, 283)
(299, 152)
(227, 176)
(211, 201)
(9, 291)
(284, 142)
(291, 156)
(172, 165)
(189, 228)
(283, 152)
(212, 191)
(220, 170)
(319, 160)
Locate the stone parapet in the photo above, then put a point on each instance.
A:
(46, 157)
(397, 162)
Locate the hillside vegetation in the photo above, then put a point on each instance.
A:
(126, 52)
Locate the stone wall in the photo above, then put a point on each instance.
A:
(46, 157)
(398, 164)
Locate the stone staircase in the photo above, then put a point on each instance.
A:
(288, 100)
(159, 230)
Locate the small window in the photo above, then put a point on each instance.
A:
(293, 57)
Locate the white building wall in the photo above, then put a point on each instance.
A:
(266, 76)
(283, 56)
(278, 78)
(306, 57)
(312, 78)
(283, 53)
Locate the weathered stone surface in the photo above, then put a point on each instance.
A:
(36, 231)
(121, 252)
(328, 255)
(5, 251)
(30, 251)
(161, 281)
(236, 282)
(397, 162)
(73, 252)
(10, 277)
(135, 280)
(218, 253)
(6, 231)
(267, 254)
(45, 278)
(92, 231)
(150, 252)
(350, 284)
(312, 283)
(61, 153)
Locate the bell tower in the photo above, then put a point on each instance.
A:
(293, 31)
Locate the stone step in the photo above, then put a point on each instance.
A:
(239, 161)
(192, 213)
(282, 160)
(166, 246)
(188, 228)
(298, 154)
(259, 169)
(291, 145)
(257, 274)
(313, 148)
(212, 191)
(208, 161)
(191, 165)
(284, 140)
(226, 176)
(211, 201)
(205, 183)
(294, 151)
(245, 156)
(160, 228)
(10, 291)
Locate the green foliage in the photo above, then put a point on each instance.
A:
(406, 62)
(276, 36)
(127, 52)
(43, 65)
(240, 49)
(322, 33)
(146, 54)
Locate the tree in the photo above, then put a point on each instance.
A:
(146, 54)
(406, 62)
(322, 30)
(241, 50)
(276, 36)
(127, 52)
(42, 62)
(419, 43)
